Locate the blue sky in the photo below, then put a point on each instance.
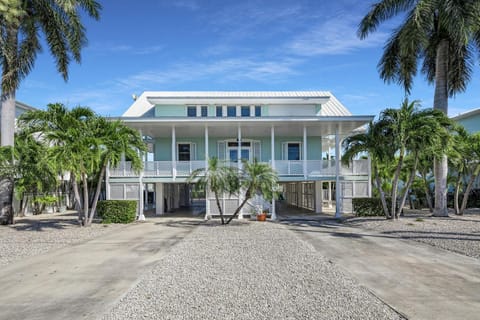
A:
(219, 45)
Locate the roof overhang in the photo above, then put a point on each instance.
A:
(236, 100)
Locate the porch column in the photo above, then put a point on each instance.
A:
(207, 192)
(239, 163)
(141, 216)
(159, 199)
(318, 196)
(338, 200)
(305, 152)
(329, 194)
(272, 140)
(174, 157)
(369, 185)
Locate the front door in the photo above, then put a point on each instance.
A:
(244, 153)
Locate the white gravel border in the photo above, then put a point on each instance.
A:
(248, 270)
(460, 234)
(34, 235)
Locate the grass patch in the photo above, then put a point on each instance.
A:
(419, 220)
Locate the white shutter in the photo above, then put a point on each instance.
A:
(257, 151)
(221, 150)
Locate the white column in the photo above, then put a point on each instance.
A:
(338, 200)
(141, 216)
(174, 154)
(329, 194)
(369, 186)
(272, 140)
(318, 196)
(206, 147)
(207, 192)
(305, 152)
(239, 159)
(159, 199)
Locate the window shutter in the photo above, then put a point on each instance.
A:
(221, 150)
(193, 151)
(257, 151)
(284, 151)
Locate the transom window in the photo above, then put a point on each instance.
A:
(231, 111)
(245, 111)
(191, 111)
(258, 111)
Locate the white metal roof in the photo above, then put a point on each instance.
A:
(466, 114)
(330, 105)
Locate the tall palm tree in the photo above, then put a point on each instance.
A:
(116, 140)
(218, 178)
(445, 36)
(255, 178)
(21, 24)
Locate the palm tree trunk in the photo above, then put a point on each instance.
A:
(473, 176)
(97, 194)
(247, 197)
(440, 102)
(426, 189)
(457, 194)
(382, 193)
(85, 199)
(219, 207)
(395, 184)
(409, 183)
(78, 200)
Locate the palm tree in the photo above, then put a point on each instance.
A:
(374, 144)
(445, 36)
(116, 140)
(21, 23)
(255, 178)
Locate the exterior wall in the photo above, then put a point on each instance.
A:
(170, 111)
(290, 110)
(471, 124)
(163, 149)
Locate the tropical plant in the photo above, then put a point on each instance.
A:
(21, 25)
(445, 36)
(217, 178)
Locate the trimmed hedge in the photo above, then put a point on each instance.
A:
(117, 211)
(365, 207)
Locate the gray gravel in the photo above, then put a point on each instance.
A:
(248, 270)
(34, 235)
(459, 234)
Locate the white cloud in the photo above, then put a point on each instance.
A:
(105, 49)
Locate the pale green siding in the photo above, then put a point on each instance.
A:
(314, 148)
(264, 111)
(471, 124)
(163, 149)
(170, 111)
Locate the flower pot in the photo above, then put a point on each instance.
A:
(261, 217)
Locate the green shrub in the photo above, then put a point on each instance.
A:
(117, 211)
(364, 207)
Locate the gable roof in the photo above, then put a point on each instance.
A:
(330, 105)
(467, 114)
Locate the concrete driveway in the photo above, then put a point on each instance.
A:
(84, 280)
(418, 280)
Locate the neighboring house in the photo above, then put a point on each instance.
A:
(295, 132)
(20, 108)
(471, 121)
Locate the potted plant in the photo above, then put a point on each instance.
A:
(262, 215)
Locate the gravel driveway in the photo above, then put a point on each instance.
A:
(35, 235)
(459, 234)
(247, 270)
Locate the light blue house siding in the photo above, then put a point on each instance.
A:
(170, 111)
(163, 147)
(472, 123)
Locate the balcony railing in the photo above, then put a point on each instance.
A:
(309, 168)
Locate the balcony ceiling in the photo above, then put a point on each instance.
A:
(254, 127)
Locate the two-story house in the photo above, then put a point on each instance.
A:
(298, 133)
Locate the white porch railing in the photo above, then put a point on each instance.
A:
(310, 168)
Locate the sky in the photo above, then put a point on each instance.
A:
(223, 45)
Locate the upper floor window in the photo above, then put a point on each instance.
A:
(258, 111)
(245, 111)
(231, 111)
(219, 111)
(204, 111)
(292, 151)
(191, 111)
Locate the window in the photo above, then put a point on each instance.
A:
(219, 111)
(231, 111)
(191, 111)
(204, 111)
(184, 152)
(245, 111)
(258, 111)
(291, 151)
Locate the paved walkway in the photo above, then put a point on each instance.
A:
(416, 279)
(82, 281)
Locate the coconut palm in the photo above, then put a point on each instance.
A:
(217, 178)
(116, 141)
(445, 36)
(255, 178)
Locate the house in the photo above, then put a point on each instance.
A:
(471, 121)
(20, 108)
(298, 133)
